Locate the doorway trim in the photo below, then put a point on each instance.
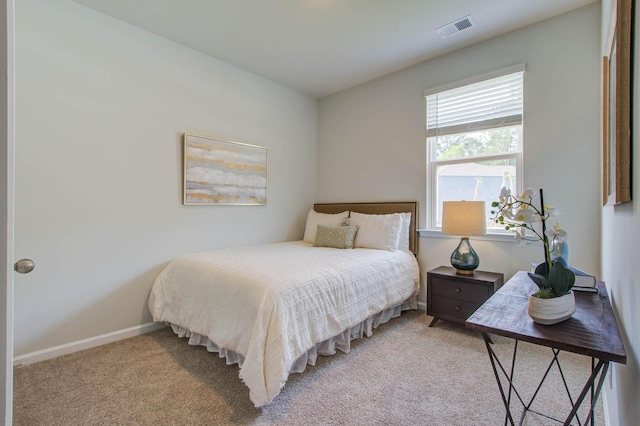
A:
(7, 129)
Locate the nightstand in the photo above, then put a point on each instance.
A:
(455, 297)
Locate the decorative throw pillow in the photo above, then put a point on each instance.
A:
(314, 219)
(377, 231)
(341, 237)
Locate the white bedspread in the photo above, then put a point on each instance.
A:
(271, 303)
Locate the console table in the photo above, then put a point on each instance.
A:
(591, 331)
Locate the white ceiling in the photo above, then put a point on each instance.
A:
(320, 47)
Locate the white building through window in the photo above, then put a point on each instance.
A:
(474, 140)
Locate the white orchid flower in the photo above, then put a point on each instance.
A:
(508, 214)
(519, 214)
(557, 233)
(521, 237)
(527, 215)
(518, 237)
(551, 211)
(527, 195)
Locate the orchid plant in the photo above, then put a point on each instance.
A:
(519, 214)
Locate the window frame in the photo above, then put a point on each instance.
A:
(432, 164)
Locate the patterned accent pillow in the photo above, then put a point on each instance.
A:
(341, 237)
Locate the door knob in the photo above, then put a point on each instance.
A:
(24, 266)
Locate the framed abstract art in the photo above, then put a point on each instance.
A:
(222, 172)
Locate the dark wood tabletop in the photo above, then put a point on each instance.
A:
(591, 330)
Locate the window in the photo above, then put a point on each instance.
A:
(474, 141)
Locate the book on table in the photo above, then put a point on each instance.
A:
(583, 279)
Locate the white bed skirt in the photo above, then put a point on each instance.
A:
(341, 342)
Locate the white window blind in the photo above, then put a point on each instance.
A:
(496, 102)
(474, 140)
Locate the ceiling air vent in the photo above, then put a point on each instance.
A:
(456, 26)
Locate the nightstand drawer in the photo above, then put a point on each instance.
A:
(460, 290)
(451, 309)
(455, 297)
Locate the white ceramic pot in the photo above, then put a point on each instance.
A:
(552, 311)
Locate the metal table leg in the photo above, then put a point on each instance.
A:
(598, 373)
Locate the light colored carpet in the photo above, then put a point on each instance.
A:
(405, 374)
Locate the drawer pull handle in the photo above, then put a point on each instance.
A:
(458, 308)
(458, 290)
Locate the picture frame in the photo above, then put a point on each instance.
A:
(223, 172)
(616, 108)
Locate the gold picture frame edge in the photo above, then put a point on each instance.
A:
(624, 25)
(620, 169)
(605, 130)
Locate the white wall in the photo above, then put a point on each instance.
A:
(620, 253)
(371, 139)
(101, 108)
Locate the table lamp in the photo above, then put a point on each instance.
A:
(464, 218)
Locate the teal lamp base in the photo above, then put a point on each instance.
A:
(464, 258)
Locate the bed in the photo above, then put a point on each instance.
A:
(273, 308)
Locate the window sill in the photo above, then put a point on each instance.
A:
(499, 237)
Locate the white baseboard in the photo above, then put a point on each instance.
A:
(80, 345)
(422, 306)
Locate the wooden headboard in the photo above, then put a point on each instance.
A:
(378, 208)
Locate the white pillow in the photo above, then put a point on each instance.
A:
(403, 241)
(314, 219)
(377, 231)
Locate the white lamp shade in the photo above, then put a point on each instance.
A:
(464, 218)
